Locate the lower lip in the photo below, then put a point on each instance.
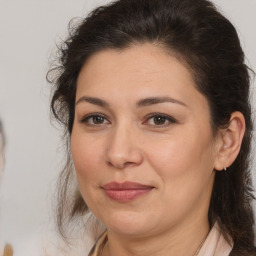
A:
(126, 195)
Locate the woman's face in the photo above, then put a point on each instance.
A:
(142, 143)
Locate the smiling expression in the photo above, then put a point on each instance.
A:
(142, 142)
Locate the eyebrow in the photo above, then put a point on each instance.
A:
(92, 100)
(157, 100)
(141, 103)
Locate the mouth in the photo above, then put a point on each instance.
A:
(126, 191)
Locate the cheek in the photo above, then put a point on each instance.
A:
(182, 157)
(184, 171)
(85, 156)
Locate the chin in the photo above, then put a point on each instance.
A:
(128, 223)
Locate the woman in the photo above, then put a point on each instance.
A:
(153, 95)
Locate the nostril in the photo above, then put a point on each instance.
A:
(121, 165)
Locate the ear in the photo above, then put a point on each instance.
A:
(229, 141)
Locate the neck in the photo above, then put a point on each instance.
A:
(184, 240)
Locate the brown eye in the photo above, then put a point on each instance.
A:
(94, 120)
(98, 119)
(159, 120)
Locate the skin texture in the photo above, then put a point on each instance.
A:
(175, 157)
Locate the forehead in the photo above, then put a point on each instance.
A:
(135, 66)
(137, 72)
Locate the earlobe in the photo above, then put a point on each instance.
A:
(230, 141)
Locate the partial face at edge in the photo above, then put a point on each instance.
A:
(1, 152)
(139, 118)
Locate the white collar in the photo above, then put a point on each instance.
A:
(215, 244)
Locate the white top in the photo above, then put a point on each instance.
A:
(215, 244)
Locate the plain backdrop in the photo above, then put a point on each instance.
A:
(29, 30)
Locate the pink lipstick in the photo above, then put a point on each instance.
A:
(126, 191)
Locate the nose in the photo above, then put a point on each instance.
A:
(123, 150)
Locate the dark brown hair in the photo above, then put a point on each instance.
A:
(208, 43)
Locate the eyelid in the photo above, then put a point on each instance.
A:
(170, 119)
(85, 118)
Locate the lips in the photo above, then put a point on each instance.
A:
(126, 191)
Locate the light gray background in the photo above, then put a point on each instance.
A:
(28, 32)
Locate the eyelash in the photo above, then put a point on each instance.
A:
(86, 119)
(169, 119)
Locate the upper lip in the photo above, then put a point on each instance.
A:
(127, 185)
